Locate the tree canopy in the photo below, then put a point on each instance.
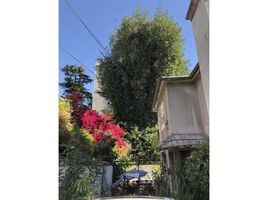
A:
(75, 81)
(142, 50)
(74, 85)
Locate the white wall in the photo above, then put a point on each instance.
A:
(200, 24)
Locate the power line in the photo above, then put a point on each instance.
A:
(101, 46)
(77, 60)
(93, 35)
(85, 25)
(90, 70)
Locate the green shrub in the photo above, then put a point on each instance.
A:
(77, 175)
(65, 121)
(181, 189)
(144, 144)
(160, 178)
(196, 172)
(191, 182)
(161, 184)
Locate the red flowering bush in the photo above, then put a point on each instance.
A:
(78, 108)
(101, 127)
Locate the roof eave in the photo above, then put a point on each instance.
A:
(160, 81)
(191, 10)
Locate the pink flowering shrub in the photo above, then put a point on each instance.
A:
(100, 126)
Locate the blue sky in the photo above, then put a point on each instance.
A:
(103, 17)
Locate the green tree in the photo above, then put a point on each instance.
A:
(74, 86)
(75, 81)
(142, 50)
(144, 145)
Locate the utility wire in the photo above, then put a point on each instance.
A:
(85, 25)
(99, 43)
(90, 70)
(77, 60)
(94, 36)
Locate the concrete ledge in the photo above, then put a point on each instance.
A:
(182, 141)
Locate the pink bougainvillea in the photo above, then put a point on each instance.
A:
(101, 125)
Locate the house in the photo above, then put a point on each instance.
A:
(182, 117)
(182, 103)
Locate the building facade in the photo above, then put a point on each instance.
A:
(182, 103)
(182, 117)
(198, 14)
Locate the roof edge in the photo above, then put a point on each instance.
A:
(191, 10)
(191, 77)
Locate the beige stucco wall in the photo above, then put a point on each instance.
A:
(200, 24)
(163, 117)
(202, 105)
(185, 116)
(99, 103)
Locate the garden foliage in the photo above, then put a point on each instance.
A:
(161, 183)
(65, 120)
(102, 132)
(190, 181)
(196, 172)
(144, 145)
(83, 148)
(77, 174)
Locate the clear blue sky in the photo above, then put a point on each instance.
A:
(103, 17)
